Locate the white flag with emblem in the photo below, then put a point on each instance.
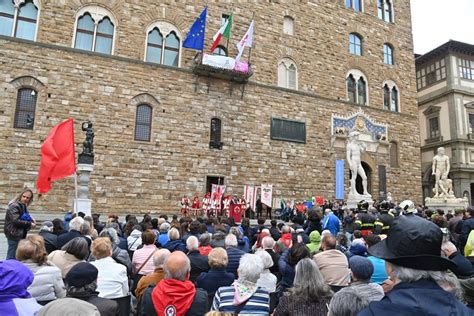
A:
(246, 41)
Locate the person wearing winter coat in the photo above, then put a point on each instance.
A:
(50, 238)
(72, 253)
(18, 221)
(233, 253)
(412, 254)
(331, 222)
(315, 241)
(81, 283)
(118, 254)
(15, 278)
(287, 262)
(47, 283)
(175, 242)
(134, 240)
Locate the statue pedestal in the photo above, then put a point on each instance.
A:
(446, 203)
(83, 203)
(354, 199)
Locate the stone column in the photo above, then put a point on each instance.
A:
(83, 203)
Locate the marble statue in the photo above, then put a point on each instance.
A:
(440, 169)
(354, 151)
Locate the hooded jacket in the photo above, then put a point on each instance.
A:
(134, 240)
(315, 241)
(15, 278)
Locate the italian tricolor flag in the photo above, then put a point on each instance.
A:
(224, 31)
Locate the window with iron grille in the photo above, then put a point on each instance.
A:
(25, 108)
(216, 131)
(143, 123)
(287, 130)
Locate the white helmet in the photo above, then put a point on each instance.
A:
(408, 206)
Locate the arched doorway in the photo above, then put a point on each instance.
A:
(368, 173)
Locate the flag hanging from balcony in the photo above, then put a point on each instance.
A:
(224, 31)
(195, 37)
(57, 156)
(246, 41)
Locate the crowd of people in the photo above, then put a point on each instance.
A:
(384, 260)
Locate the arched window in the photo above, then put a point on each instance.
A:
(351, 89)
(163, 44)
(386, 97)
(387, 54)
(288, 74)
(361, 91)
(393, 155)
(25, 108)
(25, 16)
(216, 131)
(390, 96)
(220, 51)
(357, 5)
(385, 10)
(394, 100)
(288, 25)
(355, 44)
(95, 30)
(143, 122)
(357, 87)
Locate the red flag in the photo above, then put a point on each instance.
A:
(58, 159)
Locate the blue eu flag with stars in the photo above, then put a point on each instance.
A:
(195, 38)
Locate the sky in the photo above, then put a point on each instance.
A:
(437, 21)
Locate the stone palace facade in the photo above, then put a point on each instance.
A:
(162, 131)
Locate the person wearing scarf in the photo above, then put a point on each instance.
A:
(244, 296)
(175, 295)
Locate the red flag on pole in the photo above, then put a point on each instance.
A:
(58, 159)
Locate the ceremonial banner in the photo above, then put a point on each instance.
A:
(250, 195)
(319, 200)
(236, 211)
(216, 196)
(339, 179)
(267, 191)
(218, 61)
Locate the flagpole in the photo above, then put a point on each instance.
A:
(250, 48)
(75, 192)
(230, 32)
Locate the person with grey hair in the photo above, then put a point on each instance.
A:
(268, 244)
(464, 267)
(347, 303)
(175, 294)
(199, 262)
(233, 253)
(163, 238)
(205, 244)
(156, 276)
(175, 242)
(309, 295)
(412, 254)
(244, 296)
(75, 230)
(119, 255)
(267, 280)
(50, 239)
(73, 252)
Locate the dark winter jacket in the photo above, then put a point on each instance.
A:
(50, 240)
(214, 279)
(105, 306)
(218, 239)
(174, 245)
(70, 235)
(15, 229)
(466, 226)
(287, 273)
(199, 264)
(234, 255)
(422, 297)
(464, 266)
